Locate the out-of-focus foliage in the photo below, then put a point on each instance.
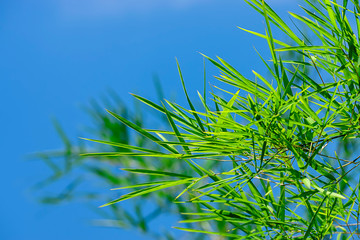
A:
(79, 178)
(276, 158)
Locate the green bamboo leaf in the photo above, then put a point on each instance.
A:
(330, 194)
(229, 105)
(305, 48)
(274, 18)
(203, 219)
(265, 37)
(144, 185)
(142, 131)
(155, 172)
(121, 145)
(190, 186)
(331, 13)
(181, 140)
(208, 232)
(181, 120)
(313, 219)
(146, 191)
(201, 125)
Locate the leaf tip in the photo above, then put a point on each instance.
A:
(104, 205)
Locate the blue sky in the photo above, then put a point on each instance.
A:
(58, 54)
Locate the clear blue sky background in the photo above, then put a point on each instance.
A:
(57, 54)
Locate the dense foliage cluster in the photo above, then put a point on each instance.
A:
(274, 159)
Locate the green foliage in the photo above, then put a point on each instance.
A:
(275, 159)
